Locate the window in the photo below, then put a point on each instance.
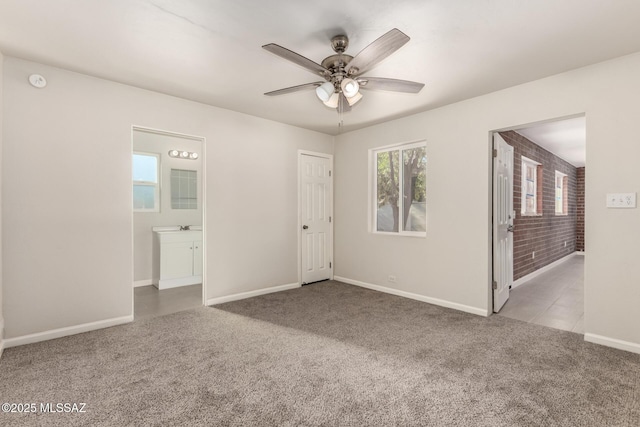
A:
(399, 190)
(531, 199)
(146, 188)
(561, 194)
(184, 186)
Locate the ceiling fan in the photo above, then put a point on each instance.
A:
(343, 73)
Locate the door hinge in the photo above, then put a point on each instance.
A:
(329, 219)
(495, 153)
(329, 265)
(329, 173)
(495, 285)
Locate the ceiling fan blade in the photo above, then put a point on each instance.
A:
(292, 89)
(380, 83)
(298, 59)
(376, 52)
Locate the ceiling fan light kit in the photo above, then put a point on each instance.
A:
(355, 98)
(343, 73)
(325, 91)
(333, 101)
(349, 87)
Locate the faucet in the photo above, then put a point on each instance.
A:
(185, 227)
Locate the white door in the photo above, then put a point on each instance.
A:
(503, 215)
(315, 218)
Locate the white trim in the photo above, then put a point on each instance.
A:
(139, 283)
(250, 294)
(167, 133)
(1, 336)
(418, 297)
(69, 330)
(331, 211)
(541, 270)
(581, 253)
(612, 342)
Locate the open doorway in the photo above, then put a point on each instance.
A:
(549, 168)
(168, 219)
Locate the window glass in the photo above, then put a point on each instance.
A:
(143, 197)
(415, 208)
(146, 188)
(145, 168)
(530, 177)
(400, 190)
(388, 191)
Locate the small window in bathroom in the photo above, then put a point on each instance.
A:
(146, 188)
(184, 186)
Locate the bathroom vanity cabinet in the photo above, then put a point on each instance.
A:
(177, 259)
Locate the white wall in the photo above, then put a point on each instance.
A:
(67, 196)
(144, 221)
(453, 262)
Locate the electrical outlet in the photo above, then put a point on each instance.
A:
(533, 255)
(392, 279)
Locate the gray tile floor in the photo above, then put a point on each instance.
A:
(554, 298)
(151, 302)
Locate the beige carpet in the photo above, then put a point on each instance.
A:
(325, 354)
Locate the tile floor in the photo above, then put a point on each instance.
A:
(554, 299)
(151, 302)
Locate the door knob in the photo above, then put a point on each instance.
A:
(510, 228)
(304, 227)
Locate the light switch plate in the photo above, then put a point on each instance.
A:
(621, 200)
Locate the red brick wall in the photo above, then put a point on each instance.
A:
(544, 234)
(580, 211)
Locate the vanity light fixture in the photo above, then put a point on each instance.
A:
(183, 154)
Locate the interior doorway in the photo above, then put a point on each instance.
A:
(315, 225)
(549, 168)
(168, 191)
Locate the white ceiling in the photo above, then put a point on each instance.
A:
(210, 50)
(564, 138)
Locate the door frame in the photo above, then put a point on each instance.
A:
(203, 156)
(491, 195)
(299, 225)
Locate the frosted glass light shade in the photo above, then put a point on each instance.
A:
(333, 101)
(349, 87)
(324, 91)
(355, 98)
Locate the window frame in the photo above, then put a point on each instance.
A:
(564, 194)
(155, 185)
(373, 188)
(525, 163)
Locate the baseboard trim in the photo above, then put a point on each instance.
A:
(63, 332)
(418, 297)
(139, 283)
(612, 342)
(541, 270)
(243, 295)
